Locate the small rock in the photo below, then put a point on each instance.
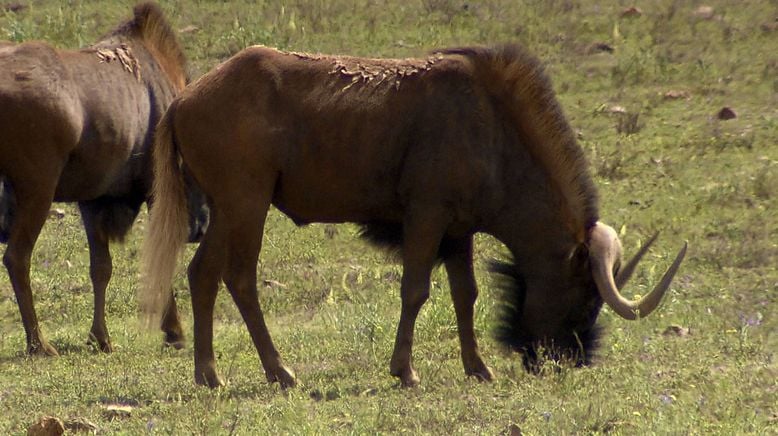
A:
(676, 330)
(631, 12)
(47, 426)
(676, 95)
(704, 12)
(726, 113)
(189, 29)
(616, 109)
(78, 425)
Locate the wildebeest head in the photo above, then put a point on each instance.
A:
(551, 315)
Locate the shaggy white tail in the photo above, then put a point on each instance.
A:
(167, 230)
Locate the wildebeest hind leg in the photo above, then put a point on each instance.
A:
(459, 266)
(240, 276)
(33, 202)
(422, 234)
(171, 325)
(100, 270)
(204, 273)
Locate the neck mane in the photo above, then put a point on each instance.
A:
(150, 27)
(517, 79)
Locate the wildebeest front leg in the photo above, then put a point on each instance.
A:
(421, 241)
(100, 270)
(464, 292)
(33, 202)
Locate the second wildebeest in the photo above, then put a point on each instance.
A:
(76, 126)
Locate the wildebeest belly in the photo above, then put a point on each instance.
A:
(324, 192)
(90, 175)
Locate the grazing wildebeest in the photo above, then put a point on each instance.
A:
(76, 126)
(423, 153)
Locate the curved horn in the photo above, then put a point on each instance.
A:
(604, 252)
(625, 272)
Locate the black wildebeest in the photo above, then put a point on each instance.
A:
(423, 153)
(76, 126)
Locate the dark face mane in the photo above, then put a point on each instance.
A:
(577, 336)
(550, 301)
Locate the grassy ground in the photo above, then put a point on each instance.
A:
(642, 91)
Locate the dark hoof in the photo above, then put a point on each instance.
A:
(484, 374)
(284, 376)
(102, 344)
(408, 377)
(174, 339)
(42, 349)
(209, 378)
(176, 345)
